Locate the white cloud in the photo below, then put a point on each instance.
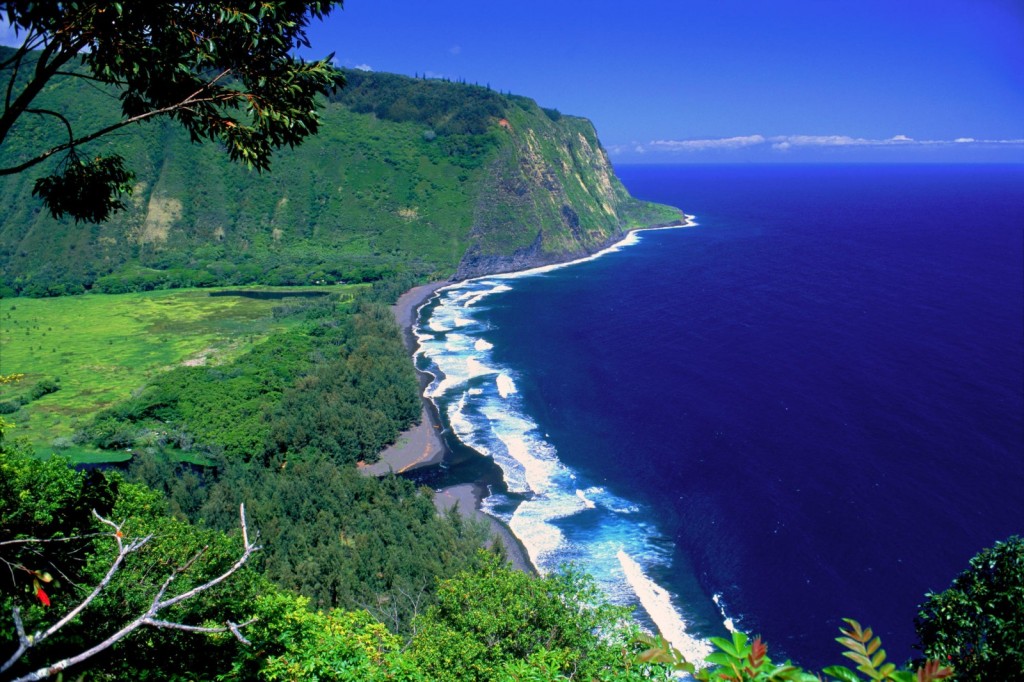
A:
(455, 50)
(698, 145)
(363, 67)
(783, 143)
(787, 141)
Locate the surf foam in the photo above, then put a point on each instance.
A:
(657, 602)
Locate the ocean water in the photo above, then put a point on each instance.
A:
(804, 407)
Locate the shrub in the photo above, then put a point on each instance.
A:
(977, 623)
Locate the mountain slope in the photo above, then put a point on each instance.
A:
(406, 174)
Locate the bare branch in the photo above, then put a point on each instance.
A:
(174, 574)
(236, 631)
(148, 618)
(33, 541)
(123, 551)
(249, 550)
(20, 627)
(233, 628)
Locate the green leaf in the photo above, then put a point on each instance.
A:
(727, 647)
(842, 673)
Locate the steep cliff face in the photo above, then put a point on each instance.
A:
(443, 179)
(551, 195)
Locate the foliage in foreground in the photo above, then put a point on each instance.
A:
(499, 623)
(978, 622)
(223, 71)
(740, 660)
(550, 623)
(487, 622)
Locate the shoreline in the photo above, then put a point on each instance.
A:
(423, 446)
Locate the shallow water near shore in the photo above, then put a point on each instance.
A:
(806, 407)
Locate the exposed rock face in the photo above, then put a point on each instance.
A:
(551, 196)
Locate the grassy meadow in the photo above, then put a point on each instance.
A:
(99, 348)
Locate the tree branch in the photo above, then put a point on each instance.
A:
(43, 72)
(148, 618)
(26, 541)
(233, 628)
(123, 551)
(194, 98)
(63, 119)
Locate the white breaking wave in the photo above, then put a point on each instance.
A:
(462, 427)
(527, 455)
(457, 369)
(729, 623)
(657, 602)
(586, 501)
(473, 300)
(506, 386)
(482, 345)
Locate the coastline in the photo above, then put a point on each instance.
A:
(423, 446)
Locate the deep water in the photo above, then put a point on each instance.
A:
(807, 407)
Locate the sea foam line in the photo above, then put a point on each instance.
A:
(657, 602)
(632, 237)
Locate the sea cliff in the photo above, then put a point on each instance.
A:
(445, 180)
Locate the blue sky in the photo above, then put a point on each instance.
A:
(727, 80)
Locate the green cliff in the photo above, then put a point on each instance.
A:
(441, 179)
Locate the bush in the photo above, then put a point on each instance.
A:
(44, 387)
(978, 623)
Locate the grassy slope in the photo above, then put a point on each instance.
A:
(102, 347)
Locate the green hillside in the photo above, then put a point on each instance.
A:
(406, 174)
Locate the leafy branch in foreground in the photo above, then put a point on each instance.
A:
(223, 71)
(865, 649)
(159, 602)
(978, 622)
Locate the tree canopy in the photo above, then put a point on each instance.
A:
(978, 623)
(224, 71)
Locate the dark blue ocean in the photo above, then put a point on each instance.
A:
(808, 406)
